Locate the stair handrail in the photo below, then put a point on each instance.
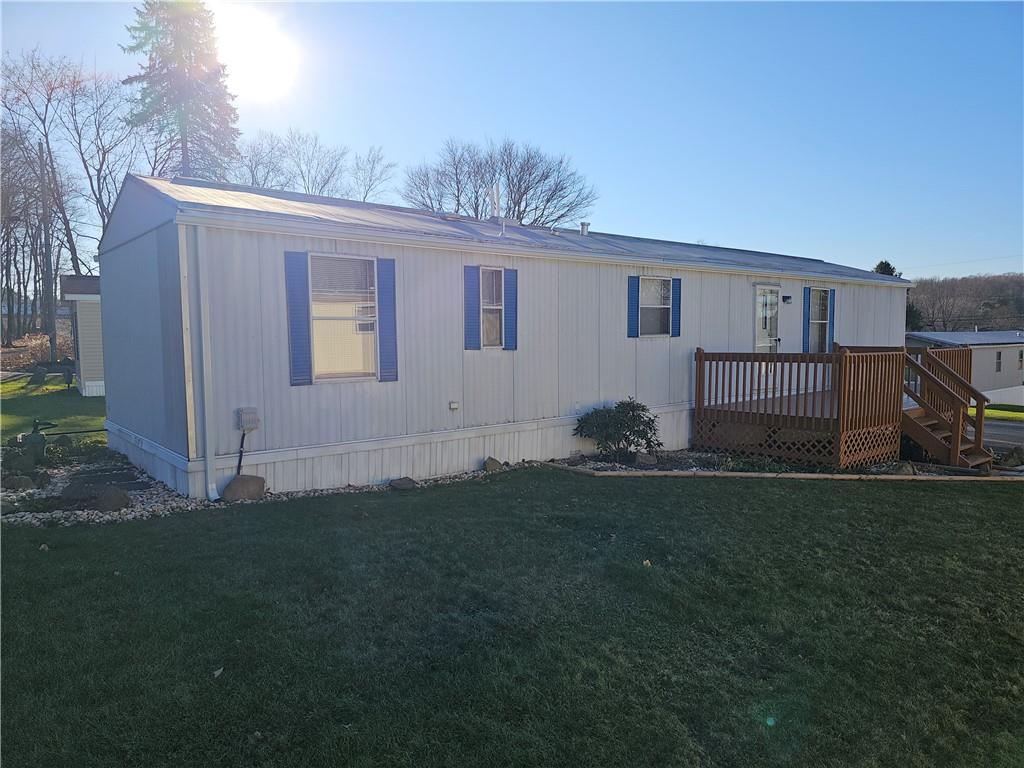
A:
(959, 405)
(978, 422)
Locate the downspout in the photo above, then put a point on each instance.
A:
(205, 368)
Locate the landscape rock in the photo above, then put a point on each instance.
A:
(22, 463)
(403, 483)
(78, 491)
(64, 441)
(491, 464)
(245, 488)
(19, 483)
(1014, 457)
(645, 460)
(903, 468)
(14, 441)
(111, 499)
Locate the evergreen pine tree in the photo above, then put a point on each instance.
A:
(182, 86)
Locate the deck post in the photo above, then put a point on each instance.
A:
(958, 432)
(842, 406)
(698, 389)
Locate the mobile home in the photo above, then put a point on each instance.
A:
(82, 294)
(369, 342)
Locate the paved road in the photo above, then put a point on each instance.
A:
(1003, 434)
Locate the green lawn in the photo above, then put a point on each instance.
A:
(513, 621)
(21, 402)
(1001, 411)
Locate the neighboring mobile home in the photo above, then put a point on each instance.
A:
(372, 342)
(997, 359)
(82, 293)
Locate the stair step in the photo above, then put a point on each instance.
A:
(942, 434)
(974, 459)
(926, 421)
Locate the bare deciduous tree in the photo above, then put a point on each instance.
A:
(370, 173)
(536, 188)
(106, 146)
(262, 163)
(316, 168)
(989, 302)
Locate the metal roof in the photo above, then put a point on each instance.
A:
(968, 338)
(226, 199)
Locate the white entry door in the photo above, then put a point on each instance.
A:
(766, 319)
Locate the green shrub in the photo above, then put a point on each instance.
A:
(626, 427)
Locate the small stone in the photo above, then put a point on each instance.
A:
(64, 441)
(43, 548)
(903, 468)
(19, 483)
(491, 464)
(245, 488)
(645, 460)
(647, 563)
(111, 499)
(403, 483)
(14, 441)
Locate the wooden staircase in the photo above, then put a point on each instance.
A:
(939, 418)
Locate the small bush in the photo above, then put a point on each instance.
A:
(626, 427)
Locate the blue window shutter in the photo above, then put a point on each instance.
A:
(387, 326)
(633, 306)
(471, 305)
(677, 301)
(807, 319)
(296, 291)
(831, 318)
(510, 284)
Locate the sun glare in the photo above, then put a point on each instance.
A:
(262, 61)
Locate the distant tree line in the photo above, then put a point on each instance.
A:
(69, 136)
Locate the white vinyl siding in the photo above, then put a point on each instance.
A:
(492, 307)
(655, 306)
(344, 312)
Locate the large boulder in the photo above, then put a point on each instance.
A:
(645, 459)
(245, 488)
(19, 483)
(491, 464)
(1014, 457)
(22, 463)
(78, 491)
(403, 483)
(111, 498)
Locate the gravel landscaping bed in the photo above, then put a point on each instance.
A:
(45, 506)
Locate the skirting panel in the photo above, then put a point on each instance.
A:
(378, 461)
(91, 388)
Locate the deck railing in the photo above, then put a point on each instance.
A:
(870, 390)
(792, 390)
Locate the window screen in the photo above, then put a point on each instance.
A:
(655, 306)
(492, 307)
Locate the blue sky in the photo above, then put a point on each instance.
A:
(849, 132)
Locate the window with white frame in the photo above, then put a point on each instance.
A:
(492, 307)
(655, 306)
(999, 361)
(343, 300)
(817, 331)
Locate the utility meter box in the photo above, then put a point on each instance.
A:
(248, 419)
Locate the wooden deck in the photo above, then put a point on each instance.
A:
(841, 409)
(838, 409)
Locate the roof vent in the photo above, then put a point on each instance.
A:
(584, 227)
